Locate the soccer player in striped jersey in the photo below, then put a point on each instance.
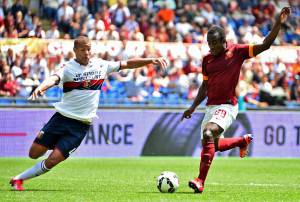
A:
(221, 69)
(81, 79)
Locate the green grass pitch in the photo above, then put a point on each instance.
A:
(134, 179)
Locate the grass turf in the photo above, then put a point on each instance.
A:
(134, 179)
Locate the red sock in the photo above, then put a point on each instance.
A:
(207, 156)
(229, 143)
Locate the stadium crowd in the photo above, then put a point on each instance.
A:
(187, 21)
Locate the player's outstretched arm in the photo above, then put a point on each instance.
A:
(46, 84)
(268, 41)
(140, 62)
(199, 98)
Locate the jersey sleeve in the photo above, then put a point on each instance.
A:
(245, 50)
(204, 70)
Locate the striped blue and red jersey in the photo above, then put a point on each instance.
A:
(81, 87)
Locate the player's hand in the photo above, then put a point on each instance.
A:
(187, 114)
(36, 93)
(284, 14)
(161, 62)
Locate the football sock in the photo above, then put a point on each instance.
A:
(207, 156)
(38, 169)
(229, 143)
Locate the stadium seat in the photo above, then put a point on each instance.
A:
(156, 101)
(53, 92)
(6, 101)
(21, 101)
(173, 99)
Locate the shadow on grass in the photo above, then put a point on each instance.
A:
(35, 190)
(179, 192)
(52, 190)
(156, 192)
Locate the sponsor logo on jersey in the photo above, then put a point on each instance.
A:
(229, 54)
(87, 84)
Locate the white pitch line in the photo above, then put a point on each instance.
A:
(257, 184)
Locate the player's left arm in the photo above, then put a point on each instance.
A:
(140, 62)
(268, 41)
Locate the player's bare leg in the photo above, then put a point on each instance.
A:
(39, 168)
(37, 150)
(211, 131)
(54, 158)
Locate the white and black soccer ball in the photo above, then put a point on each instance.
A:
(167, 182)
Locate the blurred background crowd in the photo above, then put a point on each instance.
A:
(181, 21)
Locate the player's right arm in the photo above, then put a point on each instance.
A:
(46, 84)
(202, 92)
(199, 98)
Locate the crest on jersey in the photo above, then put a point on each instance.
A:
(229, 54)
(87, 84)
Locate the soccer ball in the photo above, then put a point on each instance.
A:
(167, 182)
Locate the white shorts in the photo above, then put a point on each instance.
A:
(223, 115)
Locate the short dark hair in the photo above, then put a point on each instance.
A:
(80, 40)
(217, 31)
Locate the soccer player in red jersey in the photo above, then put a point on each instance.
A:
(221, 69)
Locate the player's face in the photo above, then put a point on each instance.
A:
(216, 44)
(83, 53)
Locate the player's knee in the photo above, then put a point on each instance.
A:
(207, 134)
(33, 155)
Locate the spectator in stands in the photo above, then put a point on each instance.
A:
(25, 60)
(296, 67)
(50, 8)
(295, 89)
(208, 13)
(75, 25)
(82, 10)
(134, 83)
(119, 13)
(131, 24)
(144, 24)
(2, 27)
(183, 27)
(38, 32)
(165, 15)
(26, 84)
(19, 6)
(53, 32)
(64, 16)
(162, 35)
(112, 33)
(22, 30)
(38, 67)
(11, 32)
(16, 68)
(18, 19)
(10, 57)
(136, 35)
(5, 8)
(8, 86)
(104, 16)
